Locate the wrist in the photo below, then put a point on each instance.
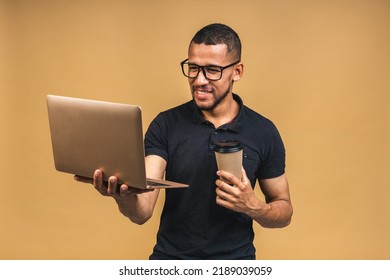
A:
(258, 210)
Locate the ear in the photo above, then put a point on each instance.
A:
(238, 72)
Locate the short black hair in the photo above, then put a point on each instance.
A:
(217, 33)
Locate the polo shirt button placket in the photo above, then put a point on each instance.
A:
(213, 140)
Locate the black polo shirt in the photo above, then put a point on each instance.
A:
(192, 225)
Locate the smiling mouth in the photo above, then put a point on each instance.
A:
(199, 92)
(203, 91)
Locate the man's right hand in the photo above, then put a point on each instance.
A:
(136, 204)
(110, 188)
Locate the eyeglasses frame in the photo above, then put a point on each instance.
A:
(203, 71)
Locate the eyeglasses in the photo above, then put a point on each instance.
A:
(211, 72)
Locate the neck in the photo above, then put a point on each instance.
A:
(225, 112)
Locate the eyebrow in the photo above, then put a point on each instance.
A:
(207, 65)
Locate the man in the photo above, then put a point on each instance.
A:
(211, 219)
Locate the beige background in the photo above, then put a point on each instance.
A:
(319, 69)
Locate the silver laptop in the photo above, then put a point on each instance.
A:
(88, 134)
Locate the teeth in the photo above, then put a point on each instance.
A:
(201, 91)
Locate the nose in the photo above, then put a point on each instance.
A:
(201, 78)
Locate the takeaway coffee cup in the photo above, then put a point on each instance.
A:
(229, 157)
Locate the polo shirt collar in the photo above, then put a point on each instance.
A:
(235, 125)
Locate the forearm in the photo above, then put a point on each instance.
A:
(276, 214)
(138, 207)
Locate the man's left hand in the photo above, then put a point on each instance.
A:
(238, 197)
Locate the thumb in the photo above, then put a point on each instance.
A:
(244, 177)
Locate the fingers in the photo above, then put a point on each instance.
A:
(226, 195)
(228, 177)
(244, 178)
(225, 191)
(123, 189)
(231, 193)
(98, 181)
(112, 186)
(241, 183)
(107, 189)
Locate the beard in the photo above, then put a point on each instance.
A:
(217, 100)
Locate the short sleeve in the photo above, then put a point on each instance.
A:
(274, 162)
(156, 138)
